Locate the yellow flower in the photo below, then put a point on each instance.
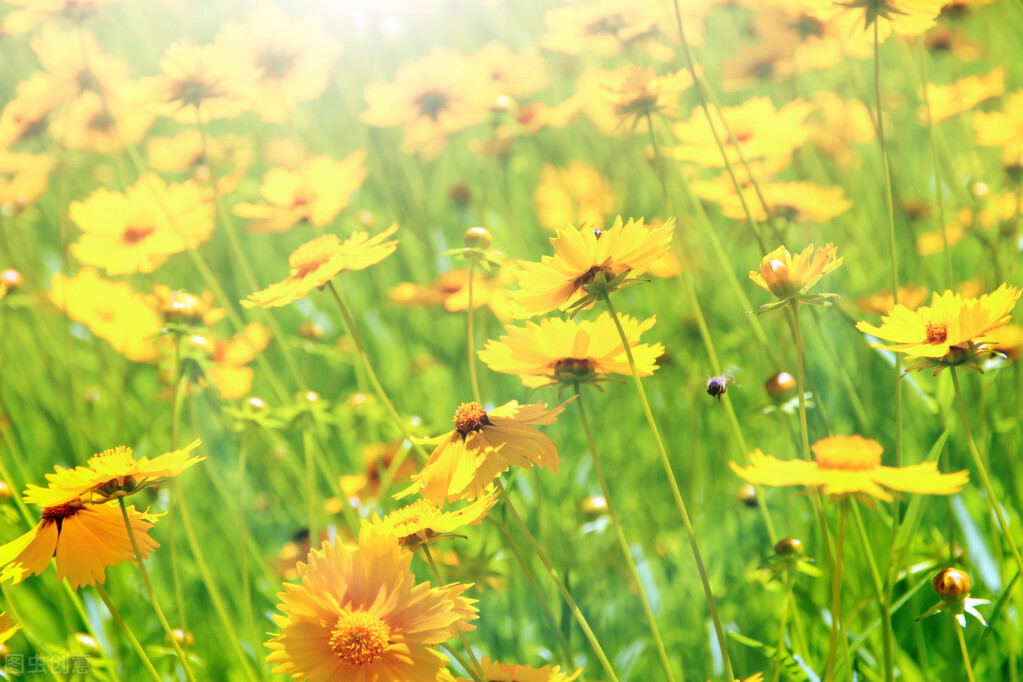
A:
(34, 12)
(607, 27)
(314, 193)
(1002, 128)
(904, 17)
(224, 159)
(198, 83)
(357, 614)
(8, 627)
(563, 351)
(515, 74)
(24, 116)
(452, 291)
(578, 194)
(910, 295)
(292, 59)
(1007, 340)
(109, 474)
(23, 178)
(137, 231)
(229, 373)
(642, 93)
(789, 277)
(842, 124)
(481, 447)
(85, 538)
(317, 262)
(513, 672)
(424, 521)
(111, 311)
(850, 465)
(948, 100)
(178, 305)
(584, 257)
(797, 202)
(951, 331)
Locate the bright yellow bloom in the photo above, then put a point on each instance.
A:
(1007, 340)
(513, 672)
(357, 614)
(482, 446)
(842, 124)
(558, 350)
(1002, 128)
(314, 193)
(585, 256)
(8, 627)
(86, 538)
(578, 194)
(317, 262)
(910, 296)
(198, 84)
(966, 93)
(109, 474)
(789, 277)
(797, 202)
(952, 330)
(850, 465)
(137, 231)
(225, 159)
(111, 311)
(424, 521)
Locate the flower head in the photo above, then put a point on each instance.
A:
(199, 83)
(953, 586)
(789, 277)
(424, 521)
(850, 465)
(85, 538)
(482, 446)
(565, 351)
(358, 614)
(585, 260)
(514, 672)
(575, 195)
(317, 262)
(111, 473)
(953, 330)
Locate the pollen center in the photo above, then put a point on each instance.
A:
(312, 255)
(847, 453)
(569, 367)
(937, 332)
(133, 235)
(359, 638)
(61, 511)
(470, 417)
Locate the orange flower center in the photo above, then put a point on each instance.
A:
(61, 511)
(470, 417)
(847, 453)
(937, 332)
(133, 235)
(311, 255)
(359, 638)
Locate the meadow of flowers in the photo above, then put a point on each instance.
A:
(511, 341)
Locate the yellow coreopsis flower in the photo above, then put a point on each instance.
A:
(846, 466)
(952, 331)
(1002, 128)
(948, 100)
(789, 277)
(424, 521)
(493, 671)
(589, 263)
(358, 614)
(483, 445)
(23, 178)
(565, 351)
(110, 474)
(199, 83)
(642, 94)
(794, 201)
(317, 262)
(577, 194)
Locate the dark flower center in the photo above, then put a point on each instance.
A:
(470, 417)
(937, 332)
(133, 235)
(432, 102)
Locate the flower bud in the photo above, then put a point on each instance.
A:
(184, 638)
(87, 643)
(11, 278)
(477, 238)
(748, 495)
(789, 547)
(311, 331)
(953, 584)
(5, 492)
(594, 505)
(256, 404)
(779, 385)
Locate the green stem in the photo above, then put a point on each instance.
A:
(473, 378)
(180, 390)
(992, 498)
(152, 595)
(673, 484)
(790, 579)
(879, 593)
(797, 331)
(476, 670)
(243, 531)
(128, 633)
(966, 654)
(566, 595)
(836, 596)
(622, 540)
(310, 485)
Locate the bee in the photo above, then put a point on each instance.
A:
(718, 386)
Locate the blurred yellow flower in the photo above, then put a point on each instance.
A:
(642, 93)
(23, 178)
(564, 351)
(8, 627)
(513, 672)
(482, 446)
(451, 290)
(966, 93)
(317, 262)
(225, 159)
(584, 256)
(24, 117)
(1007, 340)
(839, 125)
(515, 74)
(85, 538)
(198, 84)
(228, 371)
(789, 277)
(1002, 128)
(111, 311)
(608, 27)
(911, 296)
(358, 614)
(798, 202)
(30, 13)
(903, 17)
(846, 466)
(137, 231)
(424, 521)
(314, 193)
(578, 194)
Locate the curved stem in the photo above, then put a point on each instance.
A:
(127, 633)
(152, 595)
(836, 597)
(622, 540)
(475, 670)
(966, 654)
(546, 561)
(473, 378)
(673, 484)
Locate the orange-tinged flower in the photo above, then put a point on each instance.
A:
(229, 372)
(494, 671)
(789, 277)
(966, 93)
(482, 446)
(25, 116)
(314, 193)
(85, 538)
(357, 614)
(578, 194)
(111, 311)
(424, 521)
(137, 231)
(8, 627)
(75, 63)
(109, 474)
(850, 465)
(198, 84)
(584, 257)
(952, 330)
(317, 262)
(452, 291)
(564, 351)
(842, 124)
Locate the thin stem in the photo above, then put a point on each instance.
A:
(659, 163)
(622, 540)
(673, 484)
(152, 595)
(243, 564)
(966, 654)
(476, 670)
(992, 499)
(836, 596)
(180, 390)
(566, 595)
(879, 593)
(128, 633)
(800, 380)
(790, 579)
(310, 484)
(939, 185)
(473, 378)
